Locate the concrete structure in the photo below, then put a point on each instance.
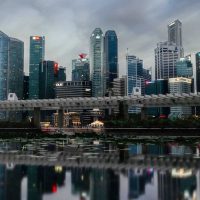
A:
(178, 86)
(166, 56)
(37, 54)
(168, 100)
(175, 33)
(69, 89)
(111, 58)
(97, 69)
(120, 86)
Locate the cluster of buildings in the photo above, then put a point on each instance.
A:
(98, 74)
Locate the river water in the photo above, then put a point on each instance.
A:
(99, 169)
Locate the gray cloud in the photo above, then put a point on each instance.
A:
(67, 25)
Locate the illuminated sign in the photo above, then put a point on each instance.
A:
(59, 84)
(55, 68)
(36, 38)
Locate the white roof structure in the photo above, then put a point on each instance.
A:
(160, 100)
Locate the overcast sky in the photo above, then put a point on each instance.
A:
(67, 25)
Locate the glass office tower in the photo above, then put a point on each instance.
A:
(11, 68)
(37, 53)
(16, 71)
(96, 63)
(111, 57)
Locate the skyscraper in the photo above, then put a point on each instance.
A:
(175, 32)
(4, 65)
(111, 57)
(184, 67)
(198, 72)
(135, 79)
(16, 71)
(11, 68)
(61, 74)
(97, 70)
(48, 72)
(134, 74)
(166, 56)
(178, 86)
(37, 52)
(81, 68)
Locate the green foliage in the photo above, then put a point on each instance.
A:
(134, 121)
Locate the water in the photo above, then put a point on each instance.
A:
(100, 169)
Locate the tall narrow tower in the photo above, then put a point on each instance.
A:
(96, 61)
(37, 52)
(111, 57)
(175, 35)
(175, 32)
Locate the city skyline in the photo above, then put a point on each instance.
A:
(139, 28)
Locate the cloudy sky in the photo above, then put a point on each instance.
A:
(67, 25)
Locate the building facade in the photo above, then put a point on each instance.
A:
(184, 67)
(175, 32)
(16, 68)
(48, 73)
(159, 86)
(178, 86)
(135, 79)
(97, 70)
(11, 69)
(134, 74)
(61, 74)
(69, 89)
(37, 54)
(166, 56)
(111, 57)
(197, 56)
(120, 86)
(81, 68)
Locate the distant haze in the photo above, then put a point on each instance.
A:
(67, 25)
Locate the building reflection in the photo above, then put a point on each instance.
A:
(104, 184)
(44, 180)
(137, 179)
(176, 184)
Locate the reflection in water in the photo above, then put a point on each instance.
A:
(140, 182)
(97, 184)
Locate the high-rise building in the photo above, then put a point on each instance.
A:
(69, 89)
(178, 86)
(111, 57)
(134, 74)
(175, 32)
(81, 68)
(97, 70)
(37, 53)
(135, 79)
(48, 72)
(166, 56)
(61, 74)
(120, 86)
(11, 68)
(16, 68)
(159, 86)
(184, 67)
(26, 87)
(197, 71)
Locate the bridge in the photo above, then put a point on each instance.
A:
(113, 102)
